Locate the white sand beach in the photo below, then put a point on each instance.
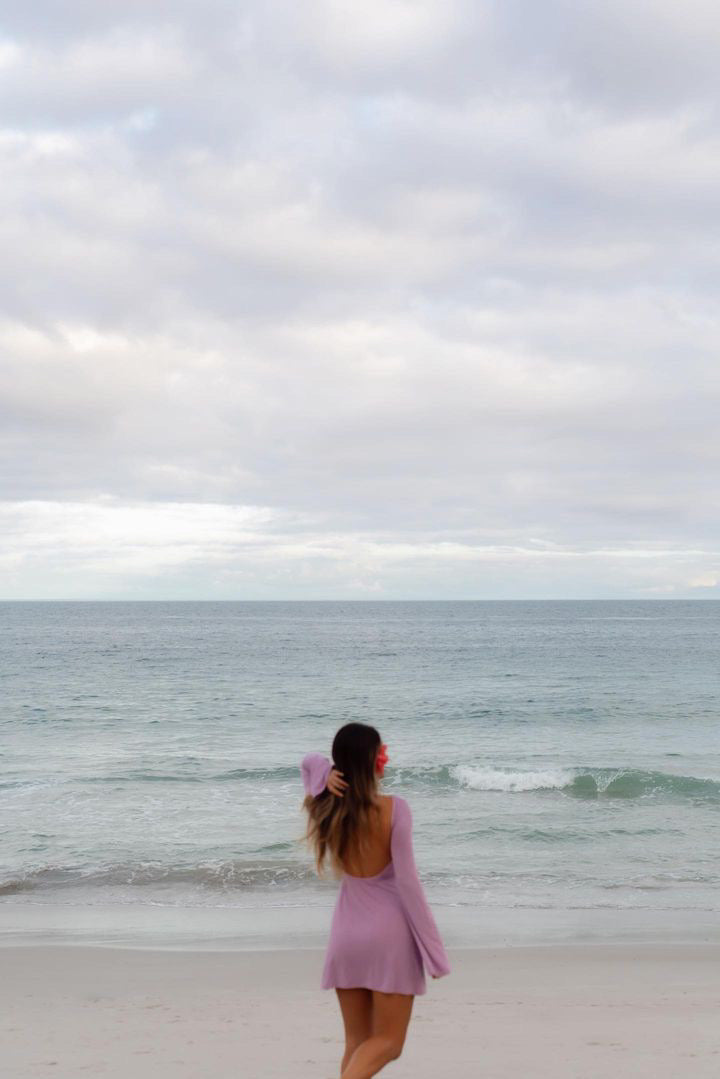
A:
(628, 1011)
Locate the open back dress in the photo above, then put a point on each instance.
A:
(383, 934)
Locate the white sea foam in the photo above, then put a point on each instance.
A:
(494, 779)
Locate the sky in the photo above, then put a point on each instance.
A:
(391, 300)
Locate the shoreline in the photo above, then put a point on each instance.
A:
(287, 928)
(550, 1011)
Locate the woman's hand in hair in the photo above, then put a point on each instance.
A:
(335, 784)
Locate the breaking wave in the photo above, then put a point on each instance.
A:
(588, 783)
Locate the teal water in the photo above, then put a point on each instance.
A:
(559, 757)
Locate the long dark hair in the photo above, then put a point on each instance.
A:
(338, 826)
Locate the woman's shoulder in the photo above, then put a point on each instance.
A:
(389, 800)
(400, 808)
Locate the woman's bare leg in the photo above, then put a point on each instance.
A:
(356, 1008)
(390, 1018)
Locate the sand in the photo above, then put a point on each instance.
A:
(532, 1012)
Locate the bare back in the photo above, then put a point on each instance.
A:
(378, 853)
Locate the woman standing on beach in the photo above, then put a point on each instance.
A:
(383, 930)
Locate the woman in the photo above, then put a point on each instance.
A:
(383, 930)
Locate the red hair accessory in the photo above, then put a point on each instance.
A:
(381, 760)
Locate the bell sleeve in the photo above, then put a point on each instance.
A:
(315, 771)
(410, 889)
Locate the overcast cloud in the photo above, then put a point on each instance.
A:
(359, 300)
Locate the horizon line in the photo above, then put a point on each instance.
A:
(436, 599)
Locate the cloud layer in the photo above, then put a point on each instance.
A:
(398, 300)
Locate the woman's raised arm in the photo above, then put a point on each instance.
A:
(315, 771)
(318, 773)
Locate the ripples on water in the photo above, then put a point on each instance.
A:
(555, 755)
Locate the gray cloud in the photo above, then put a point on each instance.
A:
(412, 299)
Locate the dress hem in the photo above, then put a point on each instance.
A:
(379, 989)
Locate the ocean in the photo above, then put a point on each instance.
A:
(561, 759)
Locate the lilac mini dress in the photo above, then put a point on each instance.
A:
(383, 934)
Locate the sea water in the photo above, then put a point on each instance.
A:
(561, 759)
